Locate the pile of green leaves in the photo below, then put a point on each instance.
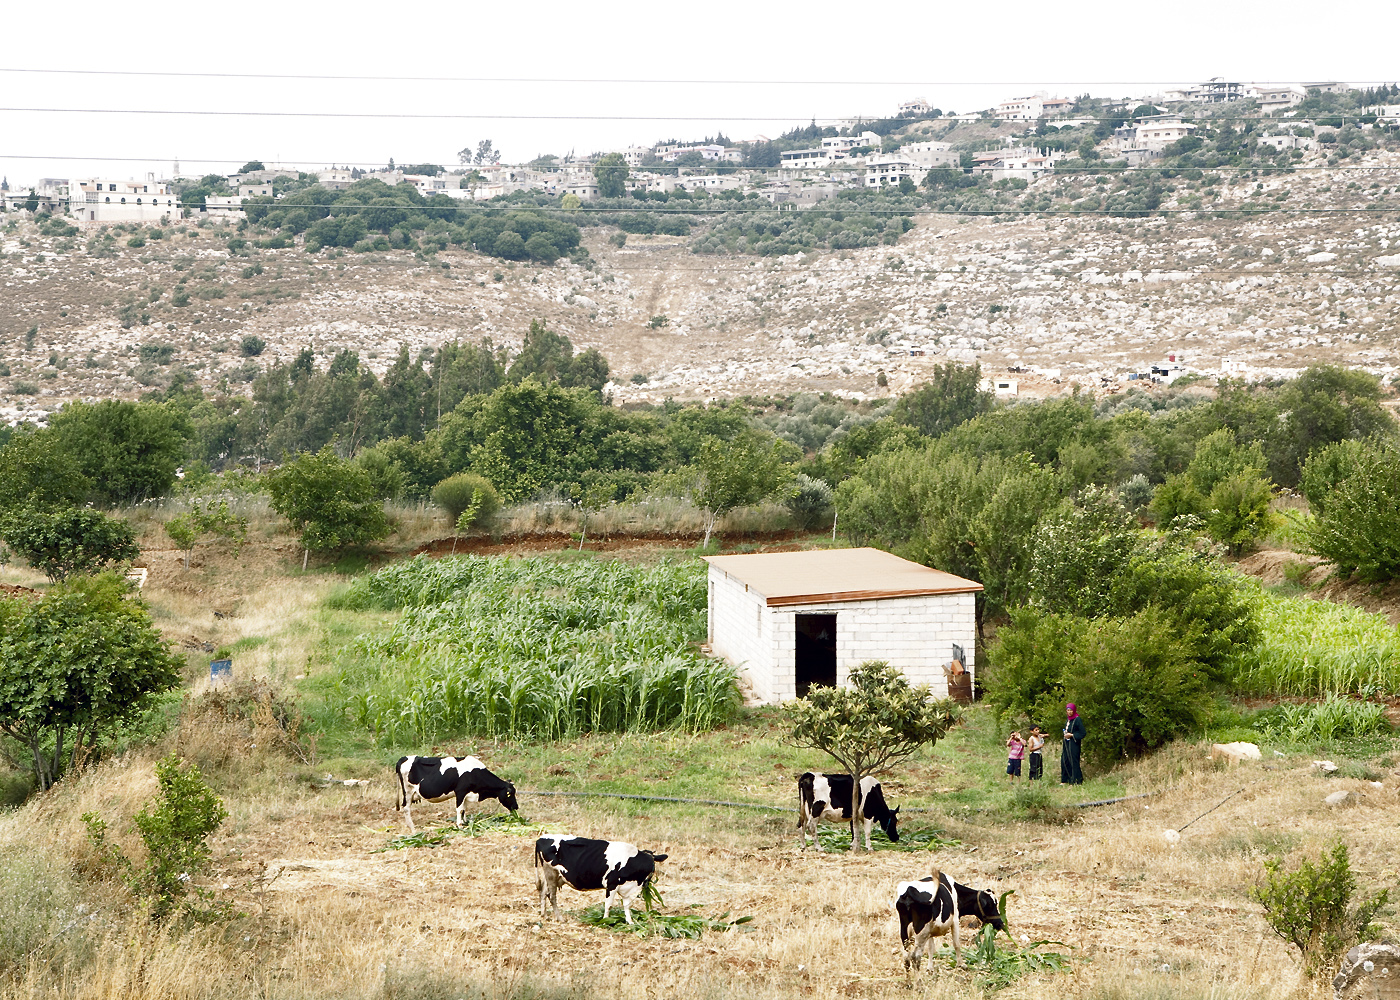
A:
(474, 825)
(651, 922)
(834, 837)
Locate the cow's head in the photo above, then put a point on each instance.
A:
(890, 824)
(988, 912)
(508, 798)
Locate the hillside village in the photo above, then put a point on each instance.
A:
(1057, 242)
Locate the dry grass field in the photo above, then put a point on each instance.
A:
(329, 912)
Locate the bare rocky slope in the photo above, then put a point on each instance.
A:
(1096, 297)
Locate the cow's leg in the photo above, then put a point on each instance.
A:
(814, 827)
(868, 824)
(408, 812)
(921, 943)
(544, 894)
(627, 908)
(957, 940)
(461, 800)
(607, 902)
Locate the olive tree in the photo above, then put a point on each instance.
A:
(76, 663)
(330, 500)
(69, 541)
(874, 723)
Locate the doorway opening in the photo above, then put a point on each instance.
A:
(816, 652)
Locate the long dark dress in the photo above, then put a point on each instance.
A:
(1070, 774)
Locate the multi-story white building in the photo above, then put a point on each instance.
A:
(929, 154)
(1156, 131)
(1272, 99)
(1031, 108)
(225, 207)
(335, 179)
(918, 106)
(107, 200)
(890, 168)
(255, 190)
(802, 158)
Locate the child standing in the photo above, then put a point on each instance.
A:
(1015, 753)
(1034, 745)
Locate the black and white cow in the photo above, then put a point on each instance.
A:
(934, 912)
(437, 779)
(828, 797)
(927, 909)
(615, 867)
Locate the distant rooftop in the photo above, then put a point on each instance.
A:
(830, 575)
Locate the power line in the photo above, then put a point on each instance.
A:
(621, 80)
(417, 116)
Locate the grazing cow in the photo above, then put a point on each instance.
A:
(828, 797)
(927, 909)
(437, 779)
(979, 903)
(611, 865)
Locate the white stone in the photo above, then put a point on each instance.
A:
(1236, 751)
(1341, 798)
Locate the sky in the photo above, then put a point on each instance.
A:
(552, 77)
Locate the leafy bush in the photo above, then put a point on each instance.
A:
(1239, 511)
(251, 346)
(1135, 680)
(70, 540)
(1079, 551)
(534, 648)
(1355, 492)
(811, 502)
(175, 829)
(330, 500)
(1311, 907)
(457, 493)
(75, 664)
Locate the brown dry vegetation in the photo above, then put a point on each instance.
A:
(328, 913)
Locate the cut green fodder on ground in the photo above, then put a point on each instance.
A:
(832, 838)
(473, 826)
(998, 968)
(652, 923)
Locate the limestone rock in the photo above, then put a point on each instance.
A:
(1235, 752)
(1342, 798)
(1324, 765)
(1369, 970)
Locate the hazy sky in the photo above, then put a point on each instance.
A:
(680, 70)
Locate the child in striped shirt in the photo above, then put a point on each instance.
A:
(1015, 753)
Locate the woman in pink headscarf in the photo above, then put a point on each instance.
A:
(1070, 774)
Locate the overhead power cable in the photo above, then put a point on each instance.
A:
(723, 117)
(386, 78)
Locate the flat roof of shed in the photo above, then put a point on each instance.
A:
(823, 576)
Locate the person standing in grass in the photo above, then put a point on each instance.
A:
(1035, 743)
(1070, 774)
(1015, 753)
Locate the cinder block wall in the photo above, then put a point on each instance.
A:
(916, 634)
(740, 630)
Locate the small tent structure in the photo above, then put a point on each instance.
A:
(791, 620)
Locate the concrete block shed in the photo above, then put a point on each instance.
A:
(790, 620)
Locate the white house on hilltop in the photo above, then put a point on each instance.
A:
(792, 620)
(121, 201)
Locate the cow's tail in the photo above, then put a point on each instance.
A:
(403, 785)
(539, 858)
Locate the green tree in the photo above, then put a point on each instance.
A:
(1079, 551)
(31, 204)
(69, 541)
(75, 664)
(1324, 405)
(810, 503)
(549, 357)
(611, 174)
(950, 397)
(206, 517)
(738, 473)
(1239, 510)
(175, 830)
(1355, 493)
(330, 500)
(250, 166)
(35, 472)
(129, 451)
(871, 725)
(1311, 907)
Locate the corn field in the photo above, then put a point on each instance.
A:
(533, 648)
(1318, 648)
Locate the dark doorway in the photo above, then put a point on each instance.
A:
(816, 652)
